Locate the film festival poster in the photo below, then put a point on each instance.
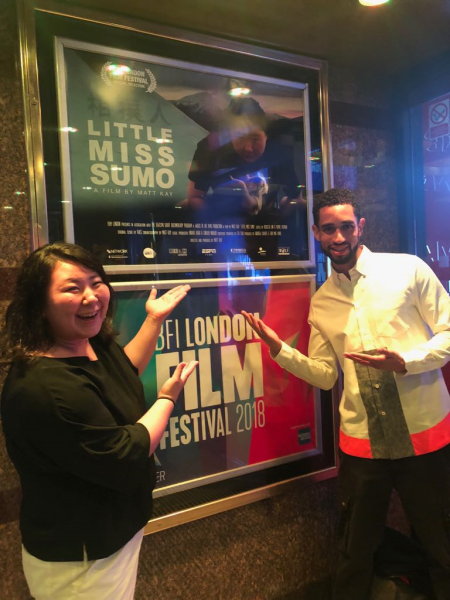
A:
(240, 411)
(138, 133)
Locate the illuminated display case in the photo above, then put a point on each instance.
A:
(430, 136)
(107, 121)
(423, 134)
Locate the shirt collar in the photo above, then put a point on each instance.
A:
(361, 267)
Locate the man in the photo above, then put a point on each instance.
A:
(385, 318)
(243, 177)
(238, 161)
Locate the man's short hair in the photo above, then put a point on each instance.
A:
(244, 109)
(333, 197)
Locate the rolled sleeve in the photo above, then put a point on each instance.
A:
(433, 303)
(318, 370)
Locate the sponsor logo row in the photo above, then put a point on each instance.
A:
(150, 253)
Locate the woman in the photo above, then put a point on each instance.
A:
(76, 425)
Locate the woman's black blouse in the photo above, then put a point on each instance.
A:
(71, 432)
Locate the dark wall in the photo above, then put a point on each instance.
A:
(413, 88)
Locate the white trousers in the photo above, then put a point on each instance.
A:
(111, 578)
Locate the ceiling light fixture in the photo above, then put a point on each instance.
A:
(238, 88)
(118, 69)
(239, 92)
(373, 2)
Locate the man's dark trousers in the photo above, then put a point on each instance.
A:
(365, 486)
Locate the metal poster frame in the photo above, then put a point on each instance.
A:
(39, 173)
(253, 478)
(219, 227)
(78, 23)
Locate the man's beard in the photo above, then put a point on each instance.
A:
(341, 260)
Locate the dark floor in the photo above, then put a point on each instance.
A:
(318, 590)
(383, 589)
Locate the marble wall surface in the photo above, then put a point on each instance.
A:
(14, 245)
(264, 551)
(14, 198)
(364, 152)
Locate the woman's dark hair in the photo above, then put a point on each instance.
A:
(26, 330)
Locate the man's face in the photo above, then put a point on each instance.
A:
(338, 232)
(249, 143)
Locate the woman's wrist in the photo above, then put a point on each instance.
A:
(166, 398)
(152, 320)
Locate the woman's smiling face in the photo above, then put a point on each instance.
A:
(77, 302)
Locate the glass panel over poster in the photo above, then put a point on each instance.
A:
(169, 165)
(240, 412)
(431, 156)
(430, 187)
(140, 153)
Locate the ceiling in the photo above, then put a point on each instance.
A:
(391, 38)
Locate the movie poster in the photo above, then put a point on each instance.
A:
(239, 411)
(172, 163)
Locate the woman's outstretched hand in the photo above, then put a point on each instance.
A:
(156, 418)
(140, 349)
(160, 308)
(173, 386)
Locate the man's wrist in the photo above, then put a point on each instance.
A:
(403, 369)
(275, 349)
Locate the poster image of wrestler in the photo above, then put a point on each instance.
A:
(177, 165)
